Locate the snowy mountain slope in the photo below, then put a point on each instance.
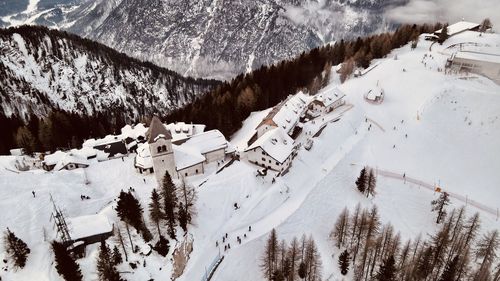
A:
(43, 70)
(213, 38)
(453, 142)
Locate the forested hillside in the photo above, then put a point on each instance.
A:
(231, 103)
(94, 89)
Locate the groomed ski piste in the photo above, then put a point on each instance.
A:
(441, 129)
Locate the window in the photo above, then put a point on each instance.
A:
(159, 149)
(197, 171)
(164, 148)
(263, 159)
(186, 174)
(263, 153)
(277, 163)
(269, 161)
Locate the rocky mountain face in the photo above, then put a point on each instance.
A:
(219, 38)
(42, 70)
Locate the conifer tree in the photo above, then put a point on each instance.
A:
(362, 180)
(155, 210)
(106, 270)
(65, 264)
(439, 205)
(16, 249)
(387, 271)
(344, 262)
(25, 139)
(371, 183)
(450, 271)
(162, 246)
(117, 256)
(302, 271)
(170, 203)
(444, 34)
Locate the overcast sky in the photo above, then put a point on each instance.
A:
(422, 11)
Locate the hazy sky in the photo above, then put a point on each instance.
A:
(421, 11)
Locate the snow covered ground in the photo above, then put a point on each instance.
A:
(441, 129)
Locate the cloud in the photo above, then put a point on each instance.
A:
(430, 11)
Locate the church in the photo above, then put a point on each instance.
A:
(181, 157)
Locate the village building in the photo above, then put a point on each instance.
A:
(111, 144)
(375, 95)
(458, 28)
(63, 161)
(326, 101)
(184, 156)
(274, 150)
(286, 115)
(486, 64)
(86, 230)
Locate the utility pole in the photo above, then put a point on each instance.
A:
(60, 223)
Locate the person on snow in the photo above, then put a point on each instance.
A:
(33, 192)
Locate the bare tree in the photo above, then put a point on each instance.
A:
(340, 231)
(486, 249)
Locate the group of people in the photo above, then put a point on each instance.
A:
(84, 197)
(228, 245)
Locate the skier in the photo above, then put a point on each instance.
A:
(406, 135)
(33, 192)
(245, 235)
(394, 146)
(144, 179)
(216, 243)
(249, 228)
(228, 246)
(223, 239)
(226, 235)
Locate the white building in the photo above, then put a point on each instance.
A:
(286, 115)
(459, 27)
(486, 64)
(63, 161)
(273, 150)
(326, 101)
(183, 157)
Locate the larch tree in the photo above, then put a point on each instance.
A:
(443, 36)
(371, 184)
(25, 139)
(486, 249)
(117, 256)
(341, 229)
(270, 256)
(439, 206)
(16, 249)
(293, 257)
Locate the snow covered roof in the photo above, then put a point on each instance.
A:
(186, 156)
(207, 141)
(287, 113)
(477, 56)
(87, 226)
(156, 130)
(459, 27)
(85, 152)
(143, 158)
(181, 130)
(329, 96)
(134, 132)
(106, 140)
(54, 158)
(375, 93)
(276, 143)
(68, 159)
(16, 152)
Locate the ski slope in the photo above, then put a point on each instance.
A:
(440, 129)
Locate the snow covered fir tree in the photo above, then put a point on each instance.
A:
(249, 140)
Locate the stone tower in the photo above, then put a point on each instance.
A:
(160, 146)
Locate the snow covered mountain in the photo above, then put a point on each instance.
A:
(211, 38)
(43, 69)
